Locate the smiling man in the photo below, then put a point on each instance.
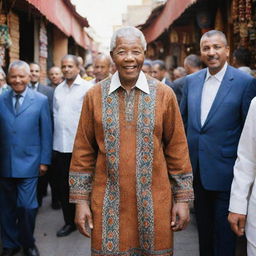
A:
(130, 174)
(26, 146)
(214, 106)
(101, 68)
(67, 105)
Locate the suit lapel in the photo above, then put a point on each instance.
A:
(198, 88)
(8, 101)
(225, 87)
(29, 97)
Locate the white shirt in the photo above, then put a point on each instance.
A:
(210, 89)
(67, 106)
(243, 190)
(34, 87)
(141, 83)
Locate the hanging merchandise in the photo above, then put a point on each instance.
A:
(5, 40)
(244, 25)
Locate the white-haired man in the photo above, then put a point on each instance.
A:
(26, 146)
(130, 159)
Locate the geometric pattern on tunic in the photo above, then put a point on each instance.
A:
(181, 187)
(80, 186)
(135, 252)
(111, 202)
(144, 163)
(129, 105)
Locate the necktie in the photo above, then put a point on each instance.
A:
(17, 102)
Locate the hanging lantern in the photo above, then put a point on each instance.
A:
(203, 19)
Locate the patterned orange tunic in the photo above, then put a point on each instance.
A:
(130, 160)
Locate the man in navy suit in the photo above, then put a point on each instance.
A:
(51, 175)
(26, 146)
(214, 106)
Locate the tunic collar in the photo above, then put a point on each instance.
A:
(141, 83)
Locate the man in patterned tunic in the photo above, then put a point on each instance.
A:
(130, 174)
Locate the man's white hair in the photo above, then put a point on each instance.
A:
(128, 32)
(19, 64)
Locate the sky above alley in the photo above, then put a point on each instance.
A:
(103, 15)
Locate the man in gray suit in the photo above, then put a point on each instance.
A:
(50, 176)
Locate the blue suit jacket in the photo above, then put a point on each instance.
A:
(213, 146)
(25, 137)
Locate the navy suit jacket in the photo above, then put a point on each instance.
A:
(177, 86)
(26, 136)
(213, 146)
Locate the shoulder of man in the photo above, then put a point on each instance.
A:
(45, 88)
(36, 94)
(237, 73)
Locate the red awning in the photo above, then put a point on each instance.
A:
(58, 13)
(172, 10)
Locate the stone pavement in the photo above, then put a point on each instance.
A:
(49, 221)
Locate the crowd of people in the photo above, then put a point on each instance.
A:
(126, 147)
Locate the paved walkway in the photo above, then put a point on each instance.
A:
(49, 221)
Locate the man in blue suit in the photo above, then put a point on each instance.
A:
(26, 146)
(214, 106)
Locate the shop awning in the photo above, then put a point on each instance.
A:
(63, 17)
(172, 10)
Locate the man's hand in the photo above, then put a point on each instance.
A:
(180, 216)
(237, 223)
(43, 169)
(83, 218)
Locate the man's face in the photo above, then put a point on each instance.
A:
(101, 69)
(214, 53)
(2, 80)
(69, 69)
(18, 79)
(55, 75)
(157, 72)
(35, 73)
(146, 69)
(128, 56)
(89, 71)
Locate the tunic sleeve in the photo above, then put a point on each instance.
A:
(84, 155)
(176, 152)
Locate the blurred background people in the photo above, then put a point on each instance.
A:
(3, 85)
(89, 72)
(192, 64)
(101, 68)
(147, 67)
(159, 72)
(55, 76)
(242, 60)
(81, 66)
(178, 73)
(48, 92)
